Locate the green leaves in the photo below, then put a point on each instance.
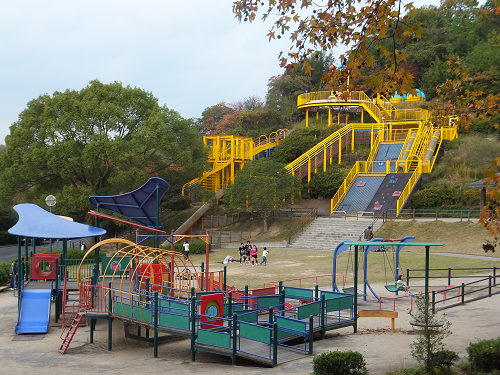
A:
(263, 186)
(103, 139)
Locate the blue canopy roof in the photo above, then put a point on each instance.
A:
(35, 222)
(139, 205)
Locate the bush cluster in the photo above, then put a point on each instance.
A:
(484, 356)
(4, 272)
(195, 247)
(445, 196)
(339, 363)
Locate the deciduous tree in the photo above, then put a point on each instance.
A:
(263, 186)
(103, 139)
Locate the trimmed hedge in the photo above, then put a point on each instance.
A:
(445, 196)
(484, 356)
(74, 253)
(339, 363)
(4, 272)
(195, 247)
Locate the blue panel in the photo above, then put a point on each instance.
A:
(34, 221)
(139, 205)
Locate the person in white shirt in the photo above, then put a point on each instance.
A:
(264, 257)
(186, 249)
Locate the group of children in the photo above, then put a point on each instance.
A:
(249, 253)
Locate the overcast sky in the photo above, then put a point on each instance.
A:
(189, 55)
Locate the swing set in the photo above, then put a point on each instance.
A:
(344, 246)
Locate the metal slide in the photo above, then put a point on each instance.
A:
(34, 312)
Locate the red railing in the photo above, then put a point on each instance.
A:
(92, 297)
(394, 301)
(329, 276)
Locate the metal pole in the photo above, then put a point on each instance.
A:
(355, 288)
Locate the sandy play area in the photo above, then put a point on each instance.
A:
(382, 349)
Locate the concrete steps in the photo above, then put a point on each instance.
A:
(325, 233)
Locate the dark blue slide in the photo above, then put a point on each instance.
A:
(34, 315)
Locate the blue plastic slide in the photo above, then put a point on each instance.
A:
(34, 316)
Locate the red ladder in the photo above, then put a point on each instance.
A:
(75, 322)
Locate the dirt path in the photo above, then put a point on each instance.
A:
(382, 349)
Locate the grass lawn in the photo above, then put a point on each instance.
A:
(284, 264)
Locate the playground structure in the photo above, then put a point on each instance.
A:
(161, 292)
(228, 154)
(373, 244)
(405, 144)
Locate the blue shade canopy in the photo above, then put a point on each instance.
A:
(139, 205)
(35, 222)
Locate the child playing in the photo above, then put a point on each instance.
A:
(401, 284)
(253, 254)
(264, 257)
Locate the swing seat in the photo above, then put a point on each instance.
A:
(393, 288)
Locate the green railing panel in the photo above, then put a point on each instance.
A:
(144, 313)
(251, 316)
(174, 321)
(306, 310)
(72, 266)
(267, 301)
(339, 303)
(118, 265)
(238, 307)
(295, 325)
(299, 293)
(330, 295)
(255, 332)
(123, 310)
(175, 307)
(214, 338)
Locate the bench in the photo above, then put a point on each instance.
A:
(379, 314)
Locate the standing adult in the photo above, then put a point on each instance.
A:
(368, 234)
(248, 248)
(186, 248)
(241, 251)
(83, 247)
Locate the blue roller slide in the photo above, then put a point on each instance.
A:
(34, 315)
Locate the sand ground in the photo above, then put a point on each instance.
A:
(382, 349)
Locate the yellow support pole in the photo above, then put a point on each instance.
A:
(324, 158)
(346, 118)
(371, 140)
(308, 169)
(340, 150)
(329, 116)
(362, 113)
(338, 118)
(307, 117)
(352, 141)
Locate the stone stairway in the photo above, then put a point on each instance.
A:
(325, 233)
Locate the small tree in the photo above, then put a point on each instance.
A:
(430, 338)
(263, 186)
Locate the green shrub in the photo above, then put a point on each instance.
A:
(327, 183)
(74, 253)
(445, 358)
(445, 196)
(195, 247)
(4, 272)
(177, 203)
(339, 363)
(485, 355)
